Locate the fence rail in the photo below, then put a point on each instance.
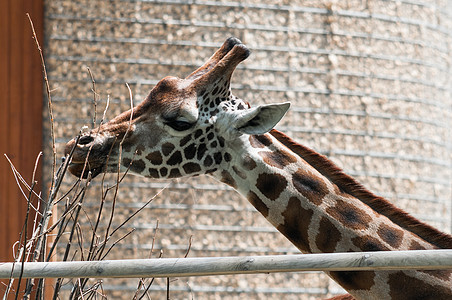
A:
(205, 266)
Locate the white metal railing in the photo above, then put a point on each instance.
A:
(206, 266)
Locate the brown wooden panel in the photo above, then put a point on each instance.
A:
(20, 111)
(4, 91)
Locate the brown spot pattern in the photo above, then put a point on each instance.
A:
(163, 171)
(202, 148)
(239, 172)
(279, 159)
(185, 140)
(406, 287)
(218, 157)
(328, 236)
(249, 163)
(414, 245)
(191, 168)
(259, 141)
(369, 243)
(309, 185)
(126, 162)
(190, 151)
(155, 158)
(138, 166)
(440, 274)
(296, 224)
(257, 203)
(227, 157)
(167, 148)
(154, 173)
(174, 173)
(349, 215)
(175, 159)
(208, 161)
(228, 179)
(354, 280)
(221, 141)
(271, 185)
(197, 134)
(140, 149)
(392, 236)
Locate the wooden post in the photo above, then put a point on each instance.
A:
(21, 90)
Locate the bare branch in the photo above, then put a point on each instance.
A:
(95, 95)
(140, 209)
(49, 97)
(107, 236)
(189, 246)
(117, 241)
(20, 180)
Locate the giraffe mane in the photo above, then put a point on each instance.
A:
(352, 187)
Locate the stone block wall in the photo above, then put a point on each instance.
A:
(370, 86)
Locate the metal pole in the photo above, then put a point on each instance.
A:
(205, 266)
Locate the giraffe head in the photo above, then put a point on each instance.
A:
(182, 128)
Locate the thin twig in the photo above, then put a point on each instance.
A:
(189, 246)
(119, 167)
(66, 194)
(105, 110)
(80, 292)
(80, 240)
(54, 186)
(145, 292)
(49, 97)
(167, 288)
(142, 281)
(41, 241)
(154, 236)
(68, 245)
(25, 232)
(131, 112)
(47, 210)
(117, 241)
(92, 253)
(140, 209)
(104, 194)
(22, 252)
(19, 179)
(95, 95)
(71, 205)
(94, 235)
(55, 181)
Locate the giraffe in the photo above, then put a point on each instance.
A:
(192, 126)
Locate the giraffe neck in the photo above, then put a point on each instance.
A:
(320, 209)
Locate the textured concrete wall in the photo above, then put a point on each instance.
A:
(370, 86)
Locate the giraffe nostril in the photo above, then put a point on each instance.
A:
(85, 140)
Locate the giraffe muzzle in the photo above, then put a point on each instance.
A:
(87, 156)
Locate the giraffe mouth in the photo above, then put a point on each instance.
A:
(83, 170)
(86, 159)
(81, 166)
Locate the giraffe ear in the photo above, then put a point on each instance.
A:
(261, 119)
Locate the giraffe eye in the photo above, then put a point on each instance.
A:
(179, 125)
